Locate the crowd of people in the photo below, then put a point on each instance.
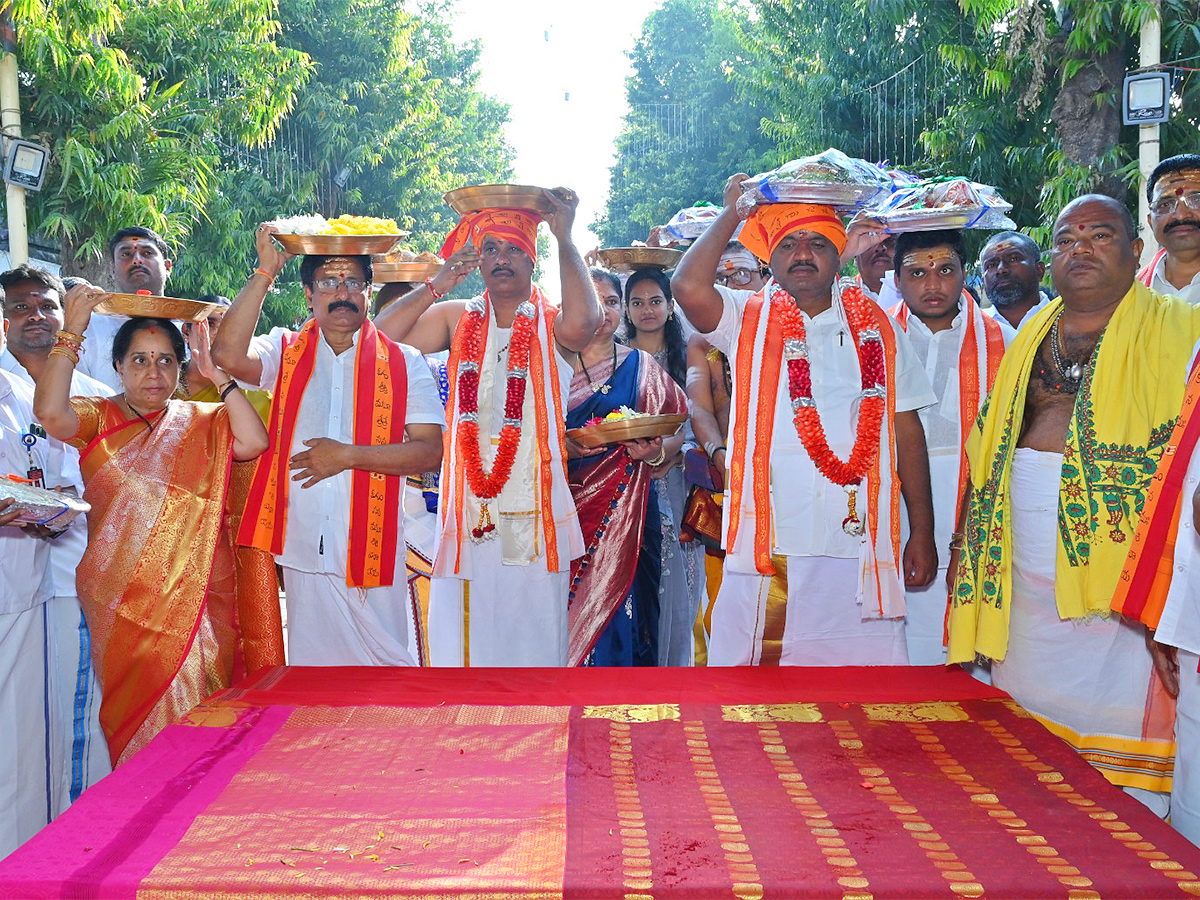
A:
(876, 468)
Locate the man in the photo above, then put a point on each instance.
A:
(813, 564)
(1174, 195)
(1061, 459)
(508, 525)
(25, 585)
(874, 265)
(76, 752)
(1012, 268)
(961, 350)
(139, 263)
(709, 389)
(1160, 587)
(352, 413)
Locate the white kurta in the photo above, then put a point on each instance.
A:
(1179, 627)
(330, 623)
(1007, 328)
(502, 614)
(77, 752)
(1089, 675)
(1158, 282)
(939, 351)
(807, 509)
(25, 586)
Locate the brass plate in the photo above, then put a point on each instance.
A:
(337, 244)
(497, 196)
(592, 436)
(628, 259)
(154, 307)
(414, 272)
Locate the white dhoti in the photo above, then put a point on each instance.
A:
(25, 794)
(505, 616)
(332, 624)
(1089, 679)
(1185, 790)
(77, 749)
(822, 623)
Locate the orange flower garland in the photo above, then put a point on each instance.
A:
(787, 317)
(484, 485)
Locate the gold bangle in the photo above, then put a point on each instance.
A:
(70, 335)
(63, 349)
(658, 460)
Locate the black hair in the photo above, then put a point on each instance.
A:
(219, 299)
(1024, 241)
(137, 231)
(1121, 209)
(310, 264)
(1169, 165)
(26, 272)
(908, 241)
(599, 273)
(124, 337)
(673, 341)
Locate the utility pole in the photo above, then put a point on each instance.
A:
(1149, 56)
(10, 124)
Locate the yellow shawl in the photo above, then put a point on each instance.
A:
(1124, 414)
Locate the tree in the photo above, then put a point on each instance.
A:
(393, 106)
(1022, 94)
(113, 88)
(687, 129)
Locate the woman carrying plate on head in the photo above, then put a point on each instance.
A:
(157, 580)
(613, 604)
(652, 325)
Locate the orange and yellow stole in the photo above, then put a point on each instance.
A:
(1146, 577)
(978, 361)
(380, 399)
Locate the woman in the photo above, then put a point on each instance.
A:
(157, 581)
(653, 327)
(613, 604)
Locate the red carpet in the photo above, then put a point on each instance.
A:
(547, 783)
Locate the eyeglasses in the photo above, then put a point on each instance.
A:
(352, 285)
(1164, 206)
(736, 276)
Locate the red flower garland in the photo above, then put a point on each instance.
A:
(807, 420)
(485, 485)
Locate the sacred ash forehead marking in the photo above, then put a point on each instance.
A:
(927, 258)
(1178, 182)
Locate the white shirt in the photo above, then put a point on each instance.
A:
(939, 351)
(1007, 329)
(318, 518)
(96, 359)
(1158, 282)
(24, 559)
(807, 508)
(67, 549)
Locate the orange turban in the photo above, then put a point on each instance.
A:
(517, 226)
(772, 222)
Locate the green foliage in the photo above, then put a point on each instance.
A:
(828, 73)
(110, 86)
(201, 118)
(687, 129)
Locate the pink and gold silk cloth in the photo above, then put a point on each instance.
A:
(743, 783)
(157, 582)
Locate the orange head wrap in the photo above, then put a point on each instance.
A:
(772, 222)
(517, 226)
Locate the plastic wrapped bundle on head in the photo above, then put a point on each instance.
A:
(830, 179)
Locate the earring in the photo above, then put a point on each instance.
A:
(671, 314)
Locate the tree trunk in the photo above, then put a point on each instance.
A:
(97, 271)
(1087, 115)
